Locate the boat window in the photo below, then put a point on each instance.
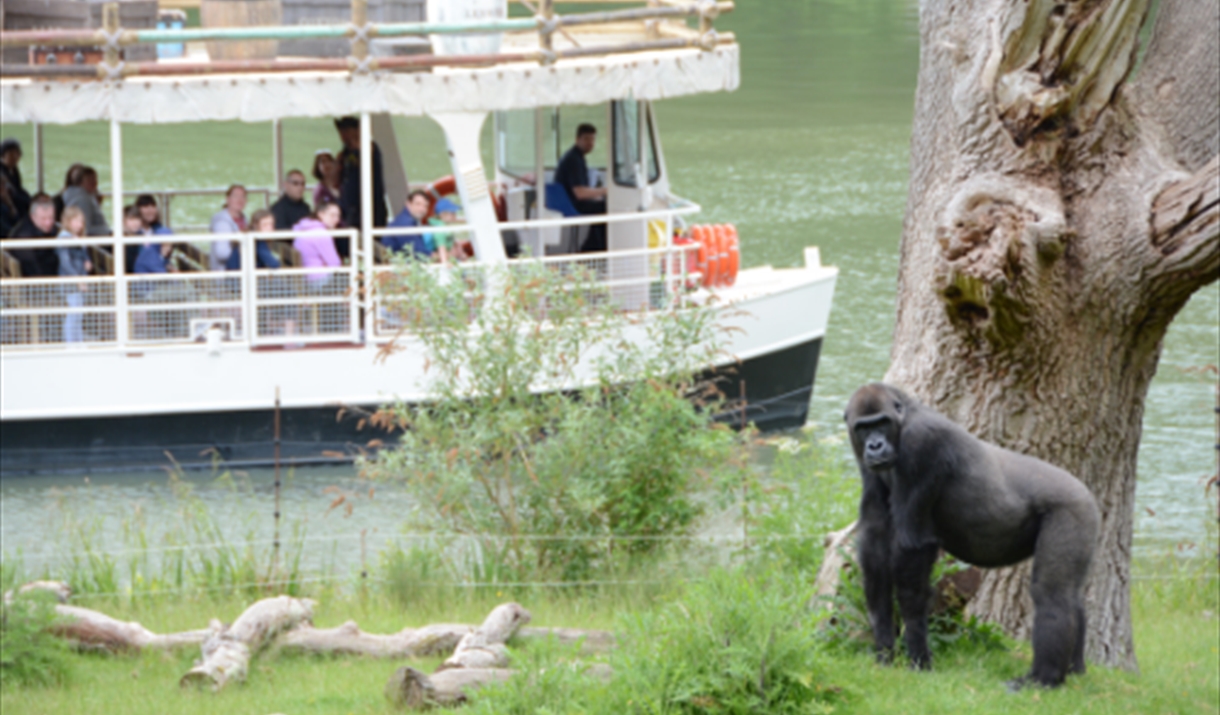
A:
(515, 142)
(629, 116)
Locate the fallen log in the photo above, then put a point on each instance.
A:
(226, 652)
(94, 630)
(414, 690)
(484, 646)
(348, 639)
(435, 639)
(60, 590)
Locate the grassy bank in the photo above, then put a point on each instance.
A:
(1176, 632)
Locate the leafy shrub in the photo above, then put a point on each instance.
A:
(29, 654)
(733, 644)
(554, 483)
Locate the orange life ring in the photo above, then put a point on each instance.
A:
(703, 253)
(734, 254)
(722, 249)
(439, 189)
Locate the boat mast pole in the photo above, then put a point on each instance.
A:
(366, 224)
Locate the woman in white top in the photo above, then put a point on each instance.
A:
(229, 219)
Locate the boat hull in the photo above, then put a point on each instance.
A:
(777, 386)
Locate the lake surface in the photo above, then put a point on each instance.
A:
(811, 150)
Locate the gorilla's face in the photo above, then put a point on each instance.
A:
(874, 421)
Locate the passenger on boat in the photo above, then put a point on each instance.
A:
(132, 225)
(446, 212)
(261, 221)
(72, 177)
(290, 207)
(573, 175)
(10, 173)
(73, 261)
(413, 214)
(39, 224)
(229, 219)
(150, 225)
(84, 196)
(150, 216)
(349, 195)
(9, 217)
(315, 243)
(329, 175)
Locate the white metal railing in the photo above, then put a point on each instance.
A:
(255, 307)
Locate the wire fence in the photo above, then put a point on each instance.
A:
(739, 540)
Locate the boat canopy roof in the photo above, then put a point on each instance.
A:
(262, 97)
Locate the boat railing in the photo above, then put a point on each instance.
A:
(293, 305)
(653, 20)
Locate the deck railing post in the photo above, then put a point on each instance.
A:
(366, 229)
(116, 226)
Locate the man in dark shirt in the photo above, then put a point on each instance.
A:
(573, 175)
(291, 207)
(349, 163)
(39, 224)
(10, 166)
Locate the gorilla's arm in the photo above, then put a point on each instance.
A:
(873, 547)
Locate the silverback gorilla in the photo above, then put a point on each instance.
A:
(928, 485)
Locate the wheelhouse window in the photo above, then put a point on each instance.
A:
(630, 119)
(515, 142)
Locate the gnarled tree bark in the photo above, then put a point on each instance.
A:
(1061, 212)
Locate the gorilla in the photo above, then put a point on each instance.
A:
(928, 485)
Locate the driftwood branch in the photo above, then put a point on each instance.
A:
(92, 629)
(414, 690)
(484, 646)
(348, 639)
(226, 653)
(435, 639)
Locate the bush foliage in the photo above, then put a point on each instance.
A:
(554, 481)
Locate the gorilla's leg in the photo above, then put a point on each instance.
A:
(1081, 627)
(912, 574)
(874, 556)
(1061, 563)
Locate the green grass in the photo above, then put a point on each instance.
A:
(1176, 632)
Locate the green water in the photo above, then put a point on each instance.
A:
(811, 150)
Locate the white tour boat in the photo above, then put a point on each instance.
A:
(190, 363)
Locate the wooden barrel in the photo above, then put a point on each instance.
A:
(241, 13)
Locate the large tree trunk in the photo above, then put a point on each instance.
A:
(1061, 212)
